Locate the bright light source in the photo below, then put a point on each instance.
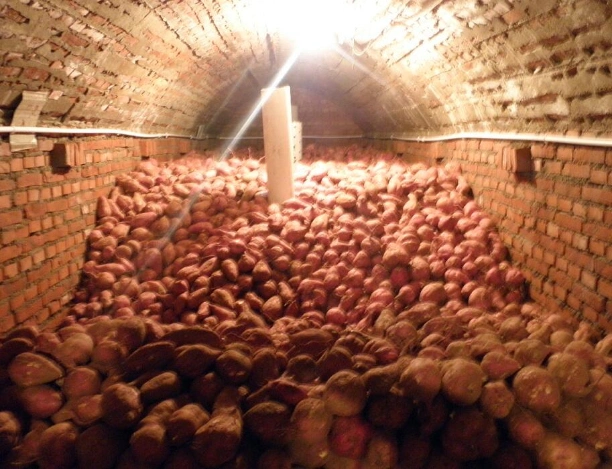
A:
(311, 24)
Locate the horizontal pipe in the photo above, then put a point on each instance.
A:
(70, 131)
(529, 137)
(523, 137)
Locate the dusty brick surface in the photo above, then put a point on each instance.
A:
(507, 66)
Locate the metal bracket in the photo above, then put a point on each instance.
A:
(26, 115)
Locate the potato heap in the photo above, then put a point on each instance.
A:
(372, 321)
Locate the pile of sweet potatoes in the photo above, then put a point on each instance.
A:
(373, 321)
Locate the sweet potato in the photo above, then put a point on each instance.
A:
(382, 452)
(108, 355)
(81, 381)
(47, 341)
(345, 393)
(287, 391)
(349, 436)
(310, 420)
(131, 332)
(194, 360)
(121, 405)
(31, 369)
(86, 410)
(496, 399)
(309, 454)
(555, 451)
(462, 381)
(269, 422)
(379, 380)
(204, 389)
(217, 441)
(601, 390)
(421, 380)
(524, 428)
(434, 292)
(184, 422)
(513, 328)
(568, 419)
(193, 335)
(41, 401)
(99, 447)
(384, 351)
(431, 416)
(498, 365)
(57, 446)
(571, 372)
(420, 313)
(13, 347)
(160, 412)
(233, 366)
(313, 342)
(162, 386)
(389, 411)
(395, 255)
(152, 356)
(485, 342)
(149, 444)
(536, 389)
(266, 367)
(469, 435)
(10, 431)
(559, 339)
(29, 332)
(531, 352)
(26, 452)
(302, 368)
(223, 297)
(272, 308)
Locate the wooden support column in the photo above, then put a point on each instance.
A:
(278, 143)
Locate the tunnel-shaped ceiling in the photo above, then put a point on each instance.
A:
(403, 67)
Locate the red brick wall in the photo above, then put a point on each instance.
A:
(557, 222)
(45, 214)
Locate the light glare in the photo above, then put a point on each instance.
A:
(311, 24)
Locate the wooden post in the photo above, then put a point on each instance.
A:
(278, 143)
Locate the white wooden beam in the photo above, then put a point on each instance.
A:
(278, 143)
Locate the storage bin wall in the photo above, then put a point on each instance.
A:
(46, 213)
(556, 221)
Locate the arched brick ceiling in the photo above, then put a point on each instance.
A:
(413, 68)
